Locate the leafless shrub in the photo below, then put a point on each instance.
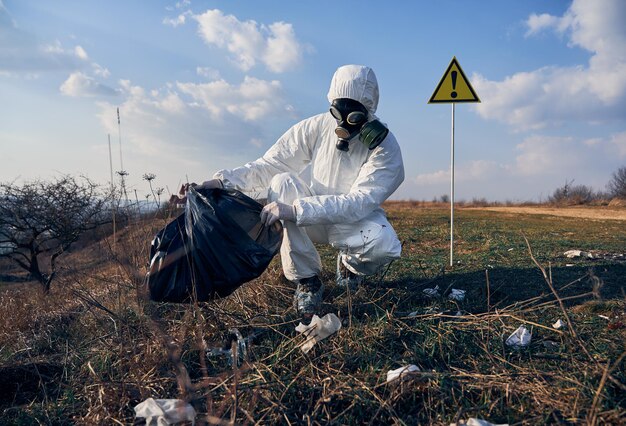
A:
(40, 220)
(570, 194)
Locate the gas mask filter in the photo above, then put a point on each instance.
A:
(351, 119)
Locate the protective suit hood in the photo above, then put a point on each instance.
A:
(356, 82)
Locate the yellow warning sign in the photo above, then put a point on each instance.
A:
(454, 86)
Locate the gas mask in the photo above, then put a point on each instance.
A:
(351, 119)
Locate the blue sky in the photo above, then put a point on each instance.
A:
(205, 85)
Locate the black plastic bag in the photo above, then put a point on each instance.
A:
(211, 249)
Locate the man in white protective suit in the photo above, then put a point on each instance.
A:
(355, 165)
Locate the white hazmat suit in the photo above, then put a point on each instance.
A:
(340, 204)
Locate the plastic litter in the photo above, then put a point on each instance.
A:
(318, 329)
(549, 344)
(158, 412)
(577, 253)
(477, 422)
(432, 292)
(235, 340)
(456, 294)
(558, 324)
(519, 338)
(211, 249)
(399, 372)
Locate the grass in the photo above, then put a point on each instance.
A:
(95, 348)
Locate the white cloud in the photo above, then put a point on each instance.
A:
(553, 95)
(80, 52)
(540, 155)
(276, 45)
(195, 128)
(538, 23)
(23, 54)
(618, 141)
(253, 100)
(79, 84)
(474, 171)
(208, 72)
(100, 71)
(175, 22)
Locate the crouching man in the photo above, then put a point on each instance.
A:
(355, 165)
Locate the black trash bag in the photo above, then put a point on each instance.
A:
(211, 249)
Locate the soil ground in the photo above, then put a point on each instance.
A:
(599, 212)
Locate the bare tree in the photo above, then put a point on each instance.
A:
(40, 220)
(617, 184)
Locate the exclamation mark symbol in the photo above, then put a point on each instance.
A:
(453, 75)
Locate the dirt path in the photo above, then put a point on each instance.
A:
(597, 213)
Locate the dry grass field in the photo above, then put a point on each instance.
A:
(95, 347)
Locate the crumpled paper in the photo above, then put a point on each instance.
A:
(558, 324)
(162, 412)
(432, 292)
(577, 253)
(520, 338)
(399, 372)
(318, 329)
(476, 422)
(457, 294)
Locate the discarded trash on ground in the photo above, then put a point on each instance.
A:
(549, 344)
(577, 253)
(211, 249)
(519, 338)
(159, 412)
(234, 342)
(477, 422)
(399, 372)
(456, 294)
(318, 329)
(558, 324)
(432, 292)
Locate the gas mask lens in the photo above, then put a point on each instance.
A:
(354, 118)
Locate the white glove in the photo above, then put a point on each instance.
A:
(181, 198)
(277, 211)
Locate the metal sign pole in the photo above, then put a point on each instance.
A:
(452, 189)
(452, 88)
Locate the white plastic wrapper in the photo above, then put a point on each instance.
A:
(456, 294)
(558, 324)
(577, 253)
(162, 412)
(520, 338)
(399, 372)
(477, 422)
(432, 292)
(318, 329)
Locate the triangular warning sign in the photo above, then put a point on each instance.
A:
(454, 86)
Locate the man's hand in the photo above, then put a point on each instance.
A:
(277, 211)
(181, 198)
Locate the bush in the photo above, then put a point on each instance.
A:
(570, 194)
